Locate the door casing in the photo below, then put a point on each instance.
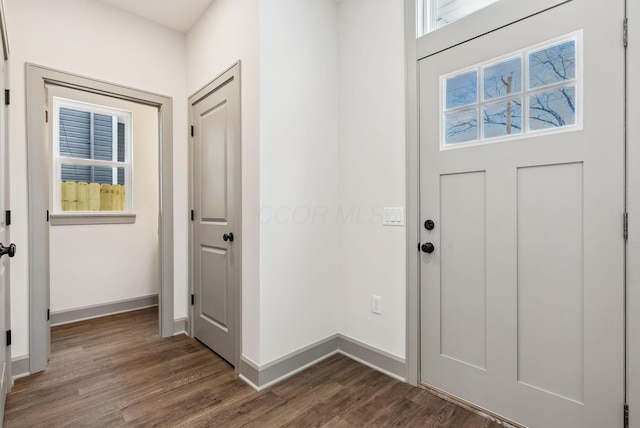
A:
(39, 185)
(233, 72)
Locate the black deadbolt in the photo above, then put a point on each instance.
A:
(228, 237)
(429, 225)
(428, 247)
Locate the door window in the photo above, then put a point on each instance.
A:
(534, 89)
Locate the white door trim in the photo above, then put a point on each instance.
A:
(38, 186)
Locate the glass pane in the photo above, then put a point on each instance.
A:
(461, 90)
(502, 119)
(86, 135)
(552, 65)
(102, 137)
(552, 109)
(447, 11)
(92, 188)
(503, 79)
(75, 133)
(461, 126)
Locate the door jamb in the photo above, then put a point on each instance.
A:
(38, 186)
(413, 196)
(233, 72)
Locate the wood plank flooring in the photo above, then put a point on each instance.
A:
(116, 371)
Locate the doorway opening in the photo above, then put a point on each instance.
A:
(43, 85)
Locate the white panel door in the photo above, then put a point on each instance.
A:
(216, 235)
(522, 272)
(6, 249)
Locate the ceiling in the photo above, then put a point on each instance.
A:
(179, 15)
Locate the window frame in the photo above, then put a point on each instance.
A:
(428, 22)
(60, 217)
(524, 94)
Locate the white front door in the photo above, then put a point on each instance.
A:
(215, 114)
(7, 250)
(522, 177)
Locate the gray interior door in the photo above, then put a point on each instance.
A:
(216, 233)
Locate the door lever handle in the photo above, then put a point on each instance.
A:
(10, 250)
(228, 237)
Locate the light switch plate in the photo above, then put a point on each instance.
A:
(393, 216)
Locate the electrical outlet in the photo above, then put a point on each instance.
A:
(376, 305)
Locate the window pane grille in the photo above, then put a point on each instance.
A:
(508, 107)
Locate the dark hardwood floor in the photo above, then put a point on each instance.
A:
(116, 371)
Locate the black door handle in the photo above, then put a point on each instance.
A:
(429, 225)
(10, 250)
(228, 237)
(428, 247)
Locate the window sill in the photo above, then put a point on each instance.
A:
(91, 218)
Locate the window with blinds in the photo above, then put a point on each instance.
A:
(92, 158)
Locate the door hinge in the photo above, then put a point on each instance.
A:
(48, 314)
(193, 215)
(47, 216)
(193, 299)
(626, 415)
(7, 218)
(192, 131)
(625, 32)
(46, 116)
(7, 97)
(8, 337)
(625, 226)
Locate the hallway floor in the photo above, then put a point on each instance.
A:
(116, 371)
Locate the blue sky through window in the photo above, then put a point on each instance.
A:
(552, 65)
(462, 90)
(550, 101)
(503, 79)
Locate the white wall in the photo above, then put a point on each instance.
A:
(226, 33)
(306, 151)
(316, 269)
(95, 40)
(371, 121)
(96, 264)
(298, 174)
